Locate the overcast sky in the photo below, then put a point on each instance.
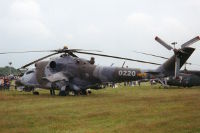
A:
(116, 27)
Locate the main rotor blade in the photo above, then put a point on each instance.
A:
(33, 62)
(65, 50)
(20, 52)
(150, 54)
(190, 42)
(85, 50)
(116, 57)
(163, 43)
(188, 63)
(59, 50)
(71, 51)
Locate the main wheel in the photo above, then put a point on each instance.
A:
(35, 93)
(84, 92)
(62, 93)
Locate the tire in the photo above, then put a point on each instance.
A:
(62, 93)
(35, 93)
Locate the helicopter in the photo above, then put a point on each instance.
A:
(187, 78)
(182, 78)
(69, 73)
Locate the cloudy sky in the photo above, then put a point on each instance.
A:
(115, 27)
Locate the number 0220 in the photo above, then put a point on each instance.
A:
(127, 73)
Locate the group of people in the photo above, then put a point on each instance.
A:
(132, 83)
(4, 83)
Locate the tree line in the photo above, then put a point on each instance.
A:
(5, 71)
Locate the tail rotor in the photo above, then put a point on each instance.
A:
(177, 51)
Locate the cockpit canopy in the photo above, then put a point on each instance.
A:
(30, 71)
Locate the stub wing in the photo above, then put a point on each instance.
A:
(56, 77)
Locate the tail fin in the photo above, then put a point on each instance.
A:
(168, 67)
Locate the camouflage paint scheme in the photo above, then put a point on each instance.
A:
(79, 73)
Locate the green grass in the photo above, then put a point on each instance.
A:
(125, 109)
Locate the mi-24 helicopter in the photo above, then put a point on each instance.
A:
(71, 73)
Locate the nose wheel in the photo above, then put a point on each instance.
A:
(35, 92)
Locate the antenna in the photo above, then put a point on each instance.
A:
(123, 64)
(174, 44)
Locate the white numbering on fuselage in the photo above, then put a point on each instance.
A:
(126, 73)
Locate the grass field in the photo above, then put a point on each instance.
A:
(124, 109)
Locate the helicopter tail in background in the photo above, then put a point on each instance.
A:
(167, 68)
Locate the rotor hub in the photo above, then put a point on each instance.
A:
(65, 47)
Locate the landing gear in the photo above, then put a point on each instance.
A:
(52, 91)
(69, 89)
(85, 92)
(163, 83)
(35, 93)
(89, 91)
(76, 93)
(63, 91)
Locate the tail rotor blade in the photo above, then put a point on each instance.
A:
(190, 42)
(163, 43)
